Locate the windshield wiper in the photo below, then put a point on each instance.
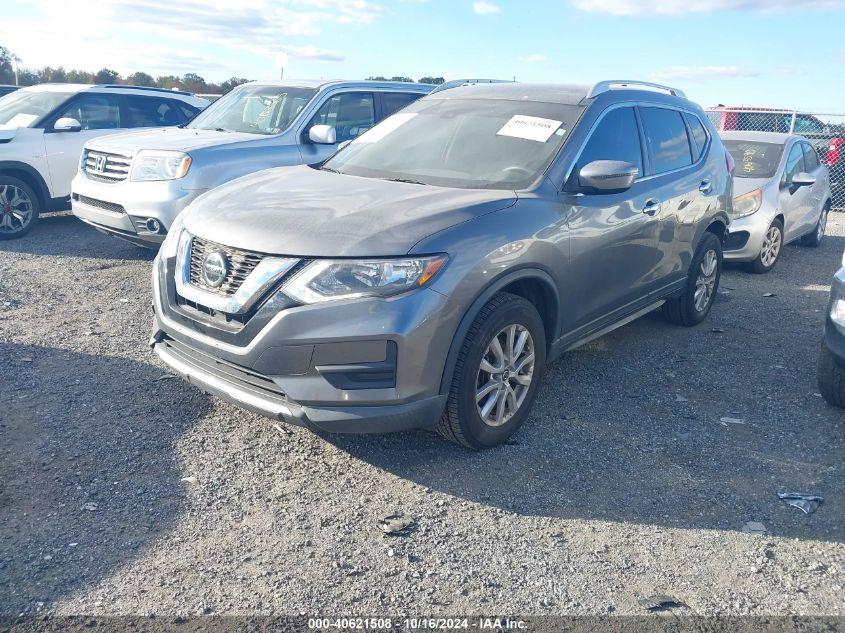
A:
(331, 169)
(222, 129)
(409, 180)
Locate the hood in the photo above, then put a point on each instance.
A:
(306, 212)
(182, 139)
(744, 185)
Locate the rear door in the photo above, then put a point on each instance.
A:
(612, 235)
(679, 182)
(99, 114)
(350, 113)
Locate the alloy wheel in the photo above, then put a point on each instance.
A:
(820, 229)
(504, 375)
(706, 281)
(772, 243)
(16, 209)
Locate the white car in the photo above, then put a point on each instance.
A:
(43, 129)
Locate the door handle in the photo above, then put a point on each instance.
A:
(651, 207)
(705, 187)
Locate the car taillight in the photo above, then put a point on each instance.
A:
(729, 162)
(834, 153)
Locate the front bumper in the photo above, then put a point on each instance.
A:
(125, 209)
(361, 366)
(745, 240)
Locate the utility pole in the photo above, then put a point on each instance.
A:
(281, 62)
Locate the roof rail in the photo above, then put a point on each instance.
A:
(457, 83)
(629, 84)
(150, 88)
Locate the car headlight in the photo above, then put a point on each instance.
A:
(837, 312)
(160, 165)
(334, 279)
(748, 203)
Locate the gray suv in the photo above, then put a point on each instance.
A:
(134, 185)
(425, 275)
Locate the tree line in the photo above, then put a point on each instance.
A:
(191, 82)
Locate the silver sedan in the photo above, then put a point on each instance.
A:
(781, 194)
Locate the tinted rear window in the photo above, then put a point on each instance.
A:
(667, 139)
(699, 134)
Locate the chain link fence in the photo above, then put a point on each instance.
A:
(825, 131)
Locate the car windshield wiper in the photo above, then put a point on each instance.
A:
(409, 180)
(331, 169)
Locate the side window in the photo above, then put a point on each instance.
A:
(794, 162)
(616, 137)
(95, 112)
(807, 124)
(699, 133)
(152, 112)
(811, 158)
(393, 101)
(351, 114)
(667, 139)
(188, 112)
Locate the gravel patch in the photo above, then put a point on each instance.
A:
(125, 492)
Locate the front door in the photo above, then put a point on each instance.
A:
(612, 235)
(350, 113)
(794, 201)
(98, 114)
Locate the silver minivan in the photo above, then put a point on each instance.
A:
(134, 185)
(425, 275)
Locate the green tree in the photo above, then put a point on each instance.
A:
(405, 79)
(7, 72)
(377, 78)
(432, 80)
(169, 82)
(107, 76)
(231, 83)
(80, 77)
(140, 79)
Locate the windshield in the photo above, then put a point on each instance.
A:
(254, 109)
(23, 108)
(754, 159)
(465, 143)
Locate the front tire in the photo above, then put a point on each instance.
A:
(814, 239)
(497, 374)
(770, 251)
(693, 306)
(18, 208)
(830, 378)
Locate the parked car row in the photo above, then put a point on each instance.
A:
(377, 256)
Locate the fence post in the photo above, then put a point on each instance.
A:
(792, 123)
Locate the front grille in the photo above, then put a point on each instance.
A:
(230, 372)
(106, 166)
(241, 264)
(100, 204)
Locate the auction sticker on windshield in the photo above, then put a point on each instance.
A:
(530, 127)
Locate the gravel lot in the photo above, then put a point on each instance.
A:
(125, 493)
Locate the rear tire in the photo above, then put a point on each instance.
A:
(693, 306)
(770, 252)
(497, 374)
(831, 379)
(19, 208)
(814, 239)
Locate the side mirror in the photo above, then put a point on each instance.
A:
(322, 135)
(802, 179)
(67, 124)
(607, 176)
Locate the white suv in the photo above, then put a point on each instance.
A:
(43, 129)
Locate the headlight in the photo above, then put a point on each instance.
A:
(330, 280)
(748, 203)
(160, 165)
(171, 242)
(837, 312)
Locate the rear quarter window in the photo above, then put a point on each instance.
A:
(699, 134)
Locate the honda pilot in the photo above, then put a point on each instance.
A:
(426, 275)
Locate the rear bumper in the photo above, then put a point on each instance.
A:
(335, 419)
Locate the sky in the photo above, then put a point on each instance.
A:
(764, 53)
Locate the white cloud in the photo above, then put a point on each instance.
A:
(534, 58)
(198, 34)
(702, 73)
(485, 8)
(677, 7)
